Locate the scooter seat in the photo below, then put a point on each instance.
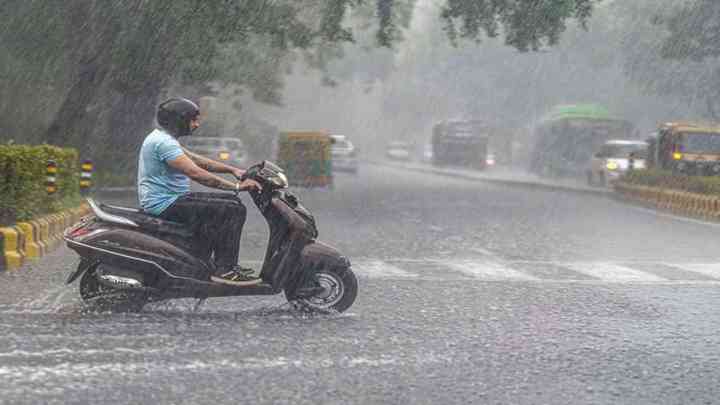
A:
(149, 222)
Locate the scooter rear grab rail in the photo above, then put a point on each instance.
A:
(104, 216)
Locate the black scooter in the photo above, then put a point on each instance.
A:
(129, 258)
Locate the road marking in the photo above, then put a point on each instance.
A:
(489, 271)
(380, 269)
(620, 271)
(711, 270)
(613, 272)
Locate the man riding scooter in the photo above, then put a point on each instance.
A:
(164, 173)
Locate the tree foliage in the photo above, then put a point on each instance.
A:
(694, 31)
(111, 60)
(669, 49)
(527, 24)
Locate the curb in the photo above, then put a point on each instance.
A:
(29, 240)
(682, 203)
(508, 182)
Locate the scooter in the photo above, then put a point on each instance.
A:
(129, 258)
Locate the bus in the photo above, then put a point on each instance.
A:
(462, 143)
(566, 137)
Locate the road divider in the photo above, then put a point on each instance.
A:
(678, 202)
(28, 240)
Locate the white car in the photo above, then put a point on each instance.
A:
(427, 155)
(614, 158)
(344, 154)
(398, 150)
(224, 149)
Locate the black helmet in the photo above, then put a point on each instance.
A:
(174, 115)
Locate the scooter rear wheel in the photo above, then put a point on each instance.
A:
(339, 290)
(103, 298)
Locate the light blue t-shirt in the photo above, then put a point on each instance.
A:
(159, 185)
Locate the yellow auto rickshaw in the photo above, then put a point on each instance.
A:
(306, 158)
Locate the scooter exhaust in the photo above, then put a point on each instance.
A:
(119, 279)
(117, 282)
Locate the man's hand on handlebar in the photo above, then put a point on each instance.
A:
(238, 173)
(248, 185)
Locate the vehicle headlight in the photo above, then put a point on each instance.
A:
(224, 156)
(612, 165)
(677, 155)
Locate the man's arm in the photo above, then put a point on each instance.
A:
(185, 165)
(212, 165)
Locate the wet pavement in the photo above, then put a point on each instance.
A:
(470, 292)
(506, 175)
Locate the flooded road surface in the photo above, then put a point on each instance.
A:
(469, 293)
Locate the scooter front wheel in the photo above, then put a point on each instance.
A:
(338, 293)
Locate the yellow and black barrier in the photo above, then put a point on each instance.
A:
(51, 172)
(86, 176)
(32, 239)
(683, 203)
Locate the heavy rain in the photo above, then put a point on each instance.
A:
(359, 202)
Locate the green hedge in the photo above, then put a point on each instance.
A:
(709, 185)
(22, 181)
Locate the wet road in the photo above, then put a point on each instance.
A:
(470, 293)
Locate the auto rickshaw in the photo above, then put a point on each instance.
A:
(306, 158)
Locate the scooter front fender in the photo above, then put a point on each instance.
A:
(319, 255)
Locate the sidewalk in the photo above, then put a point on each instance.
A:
(501, 175)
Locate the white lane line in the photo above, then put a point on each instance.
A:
(503, 270)
(489, 270)
(613, 272)
(380, 269)
(711, 270)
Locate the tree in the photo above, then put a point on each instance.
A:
(117, 58)
(668, 49)
(527, 24)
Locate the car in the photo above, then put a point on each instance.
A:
(615, 157)
(399, 150)
(490, 160)
(427, 153)
(224, 149)
(344, 154)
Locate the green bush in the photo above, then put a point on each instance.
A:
(113, 179)
(22, 181)
(709, 185)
